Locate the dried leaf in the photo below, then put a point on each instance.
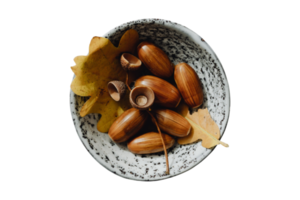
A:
(203, 128)
(95, 70)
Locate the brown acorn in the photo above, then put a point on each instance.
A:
(189, 85)
(127, 125)
(129, 62)
(165, 94)
(172, 123)
(150, 143)
(155, 59)
(116, 89)
(141, 97)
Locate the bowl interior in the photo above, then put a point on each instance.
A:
(181, 45)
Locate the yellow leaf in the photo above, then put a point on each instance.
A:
(203, 128)
(95, 70)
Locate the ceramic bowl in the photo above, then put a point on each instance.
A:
(181, 45)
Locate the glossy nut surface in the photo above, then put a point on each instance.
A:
(172, 123)
(127, 125)
(150, 143)
(189, 85)
(165, 94)
(155, 59)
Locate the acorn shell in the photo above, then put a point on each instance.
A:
(172, 123)
(129, 62)
(189, 85)
(127, 125)
(143, 92)
(150, 143)
(155, 59)
(165, 94)
(116, 89)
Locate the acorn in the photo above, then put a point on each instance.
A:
(189, 85)
(172, 123)
(150, 143)
(116, 89)
(141, 97)
(165, 94)
(155, 59)
(129, 62)
(127, 125)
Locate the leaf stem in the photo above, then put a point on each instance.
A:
(223, 143)
(127, 82)
(163, 142)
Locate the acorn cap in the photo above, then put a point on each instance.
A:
(116, 89)
(141, 97)
(129, 62)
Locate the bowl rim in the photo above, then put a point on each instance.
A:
(195, 37)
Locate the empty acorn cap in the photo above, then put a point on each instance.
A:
(116, 89)
(129, 62)
(141, 97)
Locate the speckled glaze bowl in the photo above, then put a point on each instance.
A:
(181, 45)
